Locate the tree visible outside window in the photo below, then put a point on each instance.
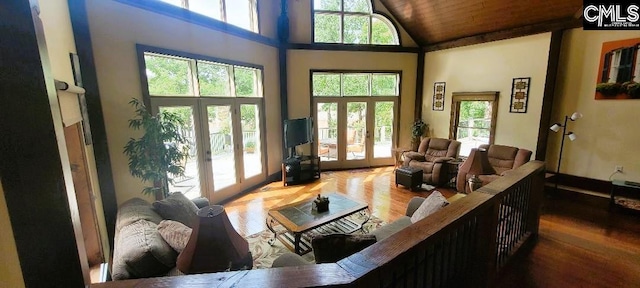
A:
(351, 22)
(474, 119)
(241, 13)
(175, 76)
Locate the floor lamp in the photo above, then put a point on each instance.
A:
(555, 128)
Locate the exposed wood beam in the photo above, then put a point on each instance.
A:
(506, 34)
(549, 92)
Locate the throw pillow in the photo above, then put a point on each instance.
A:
(431, 204)
(178, 208)
(175, 233)
(331, 248)
(143, 251)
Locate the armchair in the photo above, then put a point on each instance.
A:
(502, 158)
(431, 156)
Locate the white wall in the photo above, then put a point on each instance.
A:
(300, 23)
(608, 133)
(300, 62)
(491, 67)
(116, 28)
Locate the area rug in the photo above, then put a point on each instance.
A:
(264, 254)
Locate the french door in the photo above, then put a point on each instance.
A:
(226, 151)
(354, 132)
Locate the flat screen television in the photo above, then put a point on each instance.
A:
(298, 131)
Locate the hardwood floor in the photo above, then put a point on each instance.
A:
(581, 244)
(376, 186)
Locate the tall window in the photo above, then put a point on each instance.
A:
(178, 76)
(351, 22)
(241, 13)
(473, 120)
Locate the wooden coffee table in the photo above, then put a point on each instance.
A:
(299, 219)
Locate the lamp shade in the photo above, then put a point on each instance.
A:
(555, 127)
(480, 163)
(572, 136)
(214, 245)
(576, 115)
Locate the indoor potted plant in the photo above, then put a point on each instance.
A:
(418, 129)
(160, 151)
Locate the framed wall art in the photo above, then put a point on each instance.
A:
(618, 71)
(438, 96)
(519, 94)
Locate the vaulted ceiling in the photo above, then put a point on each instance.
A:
(433, 22)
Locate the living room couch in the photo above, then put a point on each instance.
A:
(139, 251)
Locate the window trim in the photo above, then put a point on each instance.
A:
(201, 20)
(342, 72)
(146, 96)
(374, 13)
(457, 97)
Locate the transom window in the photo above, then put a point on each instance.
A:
(351, 22)
(179, 76)
(473, 119)
(241, 13)
(337, 84)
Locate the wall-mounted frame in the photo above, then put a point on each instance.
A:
(619, 72)
(438, 96)
(519, 94)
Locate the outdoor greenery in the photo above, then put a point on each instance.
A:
(170, 76)
(160, 152)
(475, 118)
(355, 84)
(328, 26)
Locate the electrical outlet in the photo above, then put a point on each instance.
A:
(619, 168)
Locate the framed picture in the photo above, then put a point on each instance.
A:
(438, 96)
(519, 94)
(618, 71)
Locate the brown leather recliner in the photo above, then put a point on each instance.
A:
(502, 158)
(430, 157)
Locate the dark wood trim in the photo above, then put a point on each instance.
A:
(352, 47)
(549, 91)
(141, 48)
(595, 185)
(506, 34)
(201, 20)
(31, 167)
(419, 99)
(82, 36)
(283, 35)
(457, 97)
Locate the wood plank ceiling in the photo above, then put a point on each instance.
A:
(438, 21)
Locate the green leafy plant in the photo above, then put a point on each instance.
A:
(418, 129)
(160, 152)
(608, 89)
(633, 90)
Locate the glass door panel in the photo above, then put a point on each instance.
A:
(383, 130)
(356, 130)
(251, 144)
(327, 130)
(189, 183)
(221, 146)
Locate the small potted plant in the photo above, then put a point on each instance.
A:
(608, 89)
(418, 129)
(160, 151)
(250, 147)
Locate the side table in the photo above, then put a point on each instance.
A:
(625, 194)
(452, 167)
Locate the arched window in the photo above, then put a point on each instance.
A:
(351, 22)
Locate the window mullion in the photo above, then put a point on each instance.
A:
(193, 67)
(232, 81)
(223, 10)
(370, 30)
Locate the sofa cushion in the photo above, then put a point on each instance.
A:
(431, 204)
(136, 209)
(177, 207)
(391, 228)
(143, 251)
(175, 234)
(333, 247)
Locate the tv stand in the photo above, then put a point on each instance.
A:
(300, 169)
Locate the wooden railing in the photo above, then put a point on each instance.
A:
(465, 244)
